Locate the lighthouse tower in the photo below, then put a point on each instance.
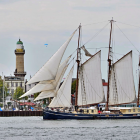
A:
(19, 52)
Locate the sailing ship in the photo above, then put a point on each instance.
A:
(89, 87)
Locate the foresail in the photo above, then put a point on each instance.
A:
(37, 88)
(45, 94)
(49, 70)
(90, 89)
(49, 85)
(122, 89)
(63, 96)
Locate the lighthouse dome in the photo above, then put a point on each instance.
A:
(19, 42)
(20, 45)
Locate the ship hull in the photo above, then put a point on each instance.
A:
(52, 115)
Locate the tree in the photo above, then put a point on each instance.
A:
(1, 89)
(73, 87)
(18, 93)
(36, 94)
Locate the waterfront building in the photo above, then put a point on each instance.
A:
(12, 82)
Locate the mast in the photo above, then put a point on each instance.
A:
(78, 63)
(109, 64)
(139, 85)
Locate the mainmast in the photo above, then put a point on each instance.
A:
(139, 85)
(109, 64)
(78, 64)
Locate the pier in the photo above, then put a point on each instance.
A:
(20, 113)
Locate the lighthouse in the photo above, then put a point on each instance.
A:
(19, 52)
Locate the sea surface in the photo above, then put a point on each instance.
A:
(34, 128)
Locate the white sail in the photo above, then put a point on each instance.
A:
(45, 94)
(90, 89)
(63, 96)
(122, 88)
(49, 70)
(49, 85)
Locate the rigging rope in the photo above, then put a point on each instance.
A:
(127, 38)
(97, 33)
(94, 23)
(129, 24)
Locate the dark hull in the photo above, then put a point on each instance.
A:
(51, 115)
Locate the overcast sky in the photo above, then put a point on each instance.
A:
(39, 22)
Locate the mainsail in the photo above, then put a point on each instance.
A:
(49, 70)
(122, 89)
(49, 85)
(90, 89)
(63, 96)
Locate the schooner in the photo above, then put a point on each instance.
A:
(89, 87)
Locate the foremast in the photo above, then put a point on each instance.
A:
(78, 65)
(139, 85)
(109, 64)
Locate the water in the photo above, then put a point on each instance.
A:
(34, 128)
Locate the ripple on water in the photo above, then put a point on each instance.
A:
(34, 128)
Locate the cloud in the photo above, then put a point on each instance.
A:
(51, 21)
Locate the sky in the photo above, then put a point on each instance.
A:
(39, 22)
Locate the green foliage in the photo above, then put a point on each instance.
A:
(44, 101)
(73, 87)
(1, 90)
(36, 94)
(26, 97)
(9, 103)
(5, 92)
(18, 93)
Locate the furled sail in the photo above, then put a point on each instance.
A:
(63, 96)
(49, 70)
(90, 89)
(49, 85)
(86, 52)
(122, 89)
